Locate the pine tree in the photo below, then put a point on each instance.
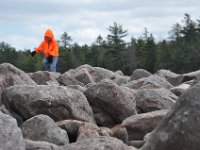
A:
(66, 40)
(116, 46)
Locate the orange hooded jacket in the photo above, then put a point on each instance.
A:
(48, 49)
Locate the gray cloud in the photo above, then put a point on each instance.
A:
(26, 20)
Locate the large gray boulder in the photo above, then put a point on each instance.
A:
(45, 77)
(68, 79)
(10, 134)
(154, 80)
(120, 79)
(148, 100)
(177, 79)
(97, 73)
(171, 77)
(116, 101)
(141, 124)
(58, 102)
(139, 73)
(10, 76)
(87, 74)
(180, 127)
(82, 75)
(43, 128)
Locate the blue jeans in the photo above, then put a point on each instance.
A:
(50, 67)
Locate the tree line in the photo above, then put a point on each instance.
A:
(179, 53)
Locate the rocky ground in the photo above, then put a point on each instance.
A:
(92, 108)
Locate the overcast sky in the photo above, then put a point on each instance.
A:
(23, 22)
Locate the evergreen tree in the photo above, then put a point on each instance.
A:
(146, 51)
(175, 32)
(116, 46)
(129, 57)
(116, 35)
(150, 54)
(190, 28)
(66, 40)
(164, 59)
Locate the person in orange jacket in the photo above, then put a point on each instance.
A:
(49, 47)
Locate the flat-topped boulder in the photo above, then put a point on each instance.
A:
(148, 100)
(58, 102)
(154, 80)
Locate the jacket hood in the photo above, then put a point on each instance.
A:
(49, 33)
